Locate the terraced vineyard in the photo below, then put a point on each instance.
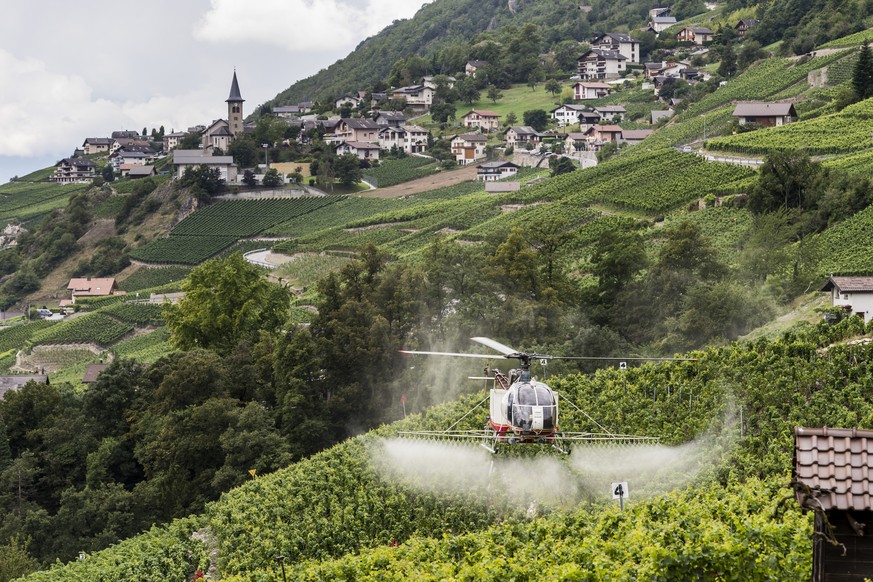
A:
(145, 348)
(182, 250)
(15, 336)
(138, 314)
(241, 218)
(150, 278)
(845, 247)
(97, 328)
(837, 133)
(24, 201)
(208, 232)
(391, 172)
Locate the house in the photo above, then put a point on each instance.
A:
(80, 287)
(411, 139)
(576, 141)
(390, 118)
(745, 25)
(171, 140)
(766, 114)
(493, 171)
(96, 145)
(587, 119)
(522, 134)
(363, 150)
(128, 144)
(852, 294)
(418, 97)
(286, 111)
(347, 101)
(74, 171)
(635, 136)
(469, 147)
(610, 112)
(601, 64)
(659, 24)
(582, 90)
(16, 381)
(356, 129)
(695, 34)
(673, 69)
(130, 158)
(137, 172)
(598, 135)
(623, 43)
(473, 66)
(567, 114)
(484, 119)
(92, 371)
(832, 479)
(184, 159)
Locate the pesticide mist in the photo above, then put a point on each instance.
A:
(534, 475)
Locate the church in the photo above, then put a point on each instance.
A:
(221, 133)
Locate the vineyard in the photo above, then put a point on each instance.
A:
(137, 314)
(15, 336)
(97, 328)
(392, 172)
(345, 514)
(22, 201)
(208, 232)
(151, 278)
(845, 247)
(837, 133)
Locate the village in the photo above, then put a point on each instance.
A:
(372, 125)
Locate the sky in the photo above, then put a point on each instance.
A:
(73, 71)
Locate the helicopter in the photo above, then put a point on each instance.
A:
(522, 409)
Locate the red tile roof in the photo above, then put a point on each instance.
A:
(836, 465)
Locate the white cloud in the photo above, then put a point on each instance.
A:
(44, 112)
(300, 25)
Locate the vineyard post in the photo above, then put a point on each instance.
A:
(281, 560)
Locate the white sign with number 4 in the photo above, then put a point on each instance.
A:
(620, 490)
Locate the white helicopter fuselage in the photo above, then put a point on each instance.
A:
(526, 408)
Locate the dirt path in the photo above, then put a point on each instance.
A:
(440, 180)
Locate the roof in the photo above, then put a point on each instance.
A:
(608, 128)
(576, 135)
(471, 137)
(495, 165)
(198, 157)
(660, 114)
(234, 96)
(92, 371)
(361, 123)
(359, 145)
(849, 284)
(477, 63)
(610, 109)
(397, 115)
(664, 19)
(636, 134)
(97, 141)
(604, 54)
(13, 382)
(92, 286)
(833, 463)
(524, 130)
(141, 171)
(287, 109)
(593, 85)
(698, 29)
(482, 113)
(761, 109)
(78, 162)
(618, 37)
(571, 107)
(747, 23)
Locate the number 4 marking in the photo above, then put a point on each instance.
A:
(619, 490)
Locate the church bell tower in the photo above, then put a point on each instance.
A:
(235, 108)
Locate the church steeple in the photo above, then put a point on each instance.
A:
(235, 108)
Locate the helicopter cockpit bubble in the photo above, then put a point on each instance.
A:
(531, 407)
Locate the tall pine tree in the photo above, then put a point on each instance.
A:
(862, 76)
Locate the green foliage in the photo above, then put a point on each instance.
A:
(138, 314)
(246, 217)
(390, 172)
(156, 277)
(536, 118)
(182, 250)
(226, 301)
(862, 75)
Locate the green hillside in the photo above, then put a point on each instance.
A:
(338, 514)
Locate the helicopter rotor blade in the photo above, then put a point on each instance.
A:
(617, 358)
(494, 345)
(479, 356)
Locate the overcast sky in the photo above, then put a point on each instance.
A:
(74, 70)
